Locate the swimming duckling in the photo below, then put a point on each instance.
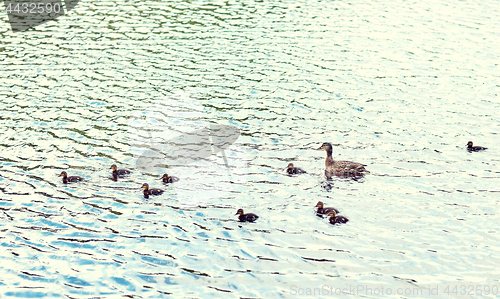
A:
(246, 217)
(152, 191)
(70, 179)
(476, 148)
(336, 219)
(322, 210)
(169, 179)
(341, 167)
(118, 172)
(294, 170)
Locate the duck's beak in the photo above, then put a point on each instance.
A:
(320, 148)
(236, 214)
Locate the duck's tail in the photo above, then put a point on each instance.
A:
(361, 170)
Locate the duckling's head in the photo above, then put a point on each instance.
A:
(113, 167)
(64, 174)
(319, 204)
(325, 146)
(145, 187)
(240, 212)
(290, 165)
(469, 144)
(332, 214)
(165, 176)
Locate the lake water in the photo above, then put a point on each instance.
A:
(400, 86)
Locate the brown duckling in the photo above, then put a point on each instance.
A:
(340, 167)
(322, 210)
(169, 179)
(336, 219)
(246, 217)
(118, 172)
(70, 179)
(294, 170)
(152, 191)
(476, 148)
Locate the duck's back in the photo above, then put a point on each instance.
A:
(123, 171)
(154, 191)
(344, 166)
(74, 178)
(248, 217)
(476, 148)
(338, 219)
(295, 170)
(171, 179)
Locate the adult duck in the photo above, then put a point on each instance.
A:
(341, 167)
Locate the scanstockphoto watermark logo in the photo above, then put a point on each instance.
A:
(425, 291)
(26, 14)
(176, 135)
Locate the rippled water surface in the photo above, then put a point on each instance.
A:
(400, 86)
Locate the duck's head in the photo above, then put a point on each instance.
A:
(64, 174)
(325, 146)
(290, 166)
(469, 144)
(332, 214)
(145, 187)
(240, 212)
(164, 177)
(319, 204)
(113, 167)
